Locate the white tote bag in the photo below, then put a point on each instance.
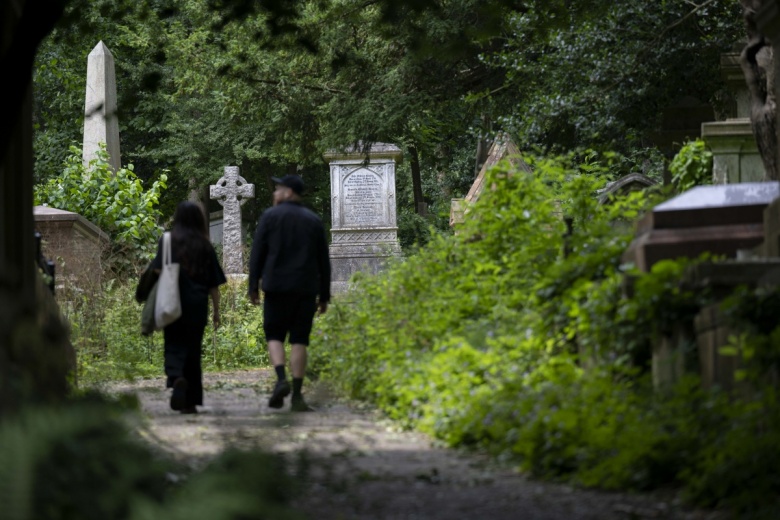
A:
(167, 307)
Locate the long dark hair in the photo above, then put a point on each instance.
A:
(190, 239)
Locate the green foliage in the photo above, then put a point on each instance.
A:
(413, 229)
(736, 467)
(692, 166)
(114, 201)
(533, 343)
(600, 74)
(87, 460)
(106, 332)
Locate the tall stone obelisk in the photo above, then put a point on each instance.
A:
(101, 123)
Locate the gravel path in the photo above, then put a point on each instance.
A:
(363, 468)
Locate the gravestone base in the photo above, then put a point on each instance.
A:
(364, 251)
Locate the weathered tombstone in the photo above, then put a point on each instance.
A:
(363, 211)
(75, 244)
(232, 191)
(101, 123)
(735, 156)
(502, 148)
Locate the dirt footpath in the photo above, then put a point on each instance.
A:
(363, 468)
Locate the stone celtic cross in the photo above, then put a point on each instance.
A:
(231, 191)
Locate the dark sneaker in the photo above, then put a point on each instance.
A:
(299, 405)
(189, 410)
(179, 395)
(281, 390)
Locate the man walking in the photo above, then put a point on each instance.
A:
(290, 256)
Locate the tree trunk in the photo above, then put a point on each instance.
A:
(757, 61)
(35, 351)
(419, 203)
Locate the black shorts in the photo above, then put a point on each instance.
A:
(291, 313)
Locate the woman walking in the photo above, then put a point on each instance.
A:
(200, 276)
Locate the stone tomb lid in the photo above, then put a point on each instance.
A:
(47, 214)
(714, 205)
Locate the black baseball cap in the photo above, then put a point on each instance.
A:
(294, 182)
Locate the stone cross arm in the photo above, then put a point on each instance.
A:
(231, 188)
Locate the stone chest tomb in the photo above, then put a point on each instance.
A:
(75, 244)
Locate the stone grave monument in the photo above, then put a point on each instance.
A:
(232, 191)
(363, 211)
(625, 185)
(720, 219)
(101, 123)
(75, 244)
(732, 220)
(502, 148)
(735, 156)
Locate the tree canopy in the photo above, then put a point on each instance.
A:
(269, 86)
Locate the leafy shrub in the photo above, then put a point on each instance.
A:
(692, 166)
(737, 467)
(106, 332)
(114, 201)
(533, 343)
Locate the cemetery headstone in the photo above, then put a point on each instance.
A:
(363, 211)
(232, 191)
(101, 123)
(215, 227)
(728, 220)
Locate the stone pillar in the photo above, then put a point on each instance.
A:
(735, 156)
(232, 191)
(363, 211)
(101, 123)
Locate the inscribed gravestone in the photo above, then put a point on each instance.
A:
(363, 211)
(232, 191)
(101, 123)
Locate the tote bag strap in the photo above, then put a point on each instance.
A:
(166, 248)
